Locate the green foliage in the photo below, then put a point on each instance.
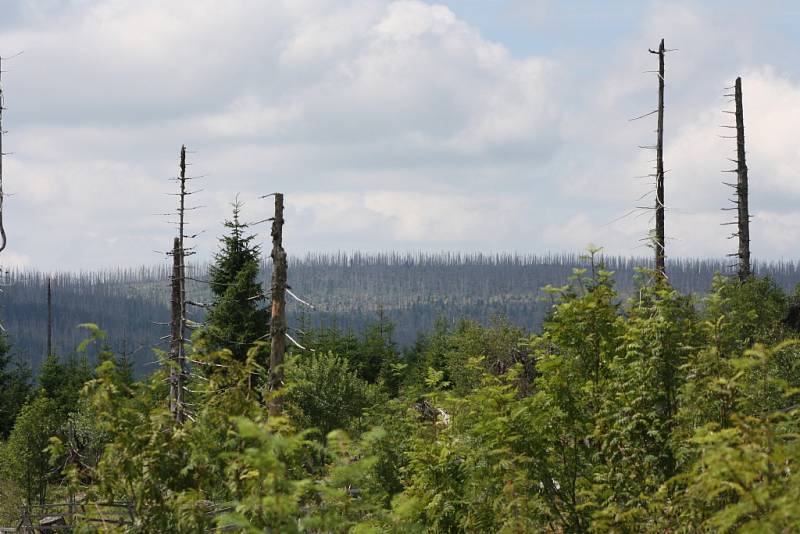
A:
(373, 356)
(636, 419)
(736, 316)
(267, 486)
(238, 317)
(25, 460)
(753, 312)
(227, 465)
(746, 478)
(498, 347)
(15, 388)
(397, 419)
(172, 475)
(575, 362)
(62, 380)
(377, 352)
(745, 475)
(322, 392)
(655, 414)
(351, 497)
(272, 492)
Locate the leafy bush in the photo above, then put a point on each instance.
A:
(324, 393)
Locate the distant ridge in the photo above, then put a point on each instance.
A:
(348, 288)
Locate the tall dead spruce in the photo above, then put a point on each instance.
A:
(178, 367)
(177, 348)
(2, 103)
(277, 328)
(658, 240)
(741, 186)
(49, 318)
(3, 240)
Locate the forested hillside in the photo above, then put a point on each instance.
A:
(656, 413)
(348, 290)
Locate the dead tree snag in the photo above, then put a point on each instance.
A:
(742, 188)
(178, 368)
(2, 102)
(658, 240)
(278, 315)
(176, 337)
(49, 319)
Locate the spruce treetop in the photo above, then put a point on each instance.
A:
(238, 318)
(237, 251)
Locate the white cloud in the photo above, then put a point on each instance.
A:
(600, 180)
(777, 231)
(366, 113)
(12, 259)
(386, 218)
(386, 123)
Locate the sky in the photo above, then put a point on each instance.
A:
(463, 125)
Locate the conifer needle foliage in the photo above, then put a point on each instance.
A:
(238, 316)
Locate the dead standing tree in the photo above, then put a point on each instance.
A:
(657, 237)
(658, 240)
(278, 311)
(49, 318)
(177, 347)
(3, 240)
(741, 186)
(2, 102)
(178, 367)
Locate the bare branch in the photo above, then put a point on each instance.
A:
(643, 116)
(298, 299)
(298, 345)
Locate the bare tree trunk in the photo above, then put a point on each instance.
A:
(182, 279)
(176, 340)
(659, 242)
(278, 315)
(49, 319)
(2, 228)
(742, 188)
(178, 368)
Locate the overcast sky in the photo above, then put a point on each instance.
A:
(454, 125)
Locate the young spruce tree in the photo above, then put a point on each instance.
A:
(238, 317)
(15, 388)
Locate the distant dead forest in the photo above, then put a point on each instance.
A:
(348, 289)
